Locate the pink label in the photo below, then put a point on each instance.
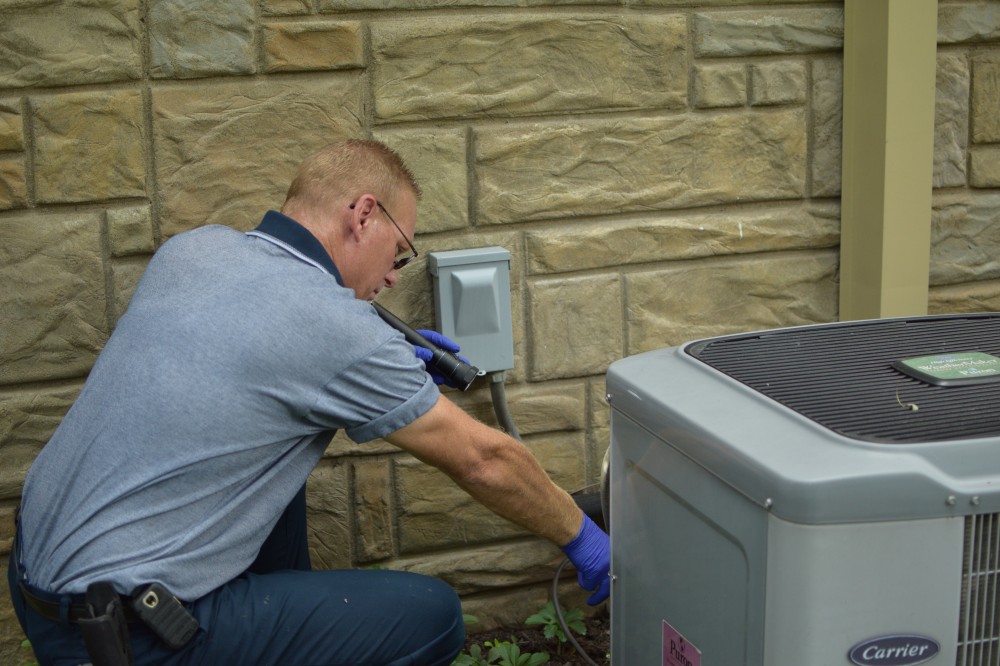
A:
(676, 650)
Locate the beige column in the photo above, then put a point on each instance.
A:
(889, 79)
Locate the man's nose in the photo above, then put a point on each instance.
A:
(391, 278)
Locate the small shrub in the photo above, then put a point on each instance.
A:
(550, 622)
(506, 653)
(501, 653)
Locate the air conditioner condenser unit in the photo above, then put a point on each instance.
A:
(812, 496)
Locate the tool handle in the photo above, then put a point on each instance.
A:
(456, 372)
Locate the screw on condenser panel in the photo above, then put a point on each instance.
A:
(951, 500)
(974, 501)
(607, 396)
(768, 503)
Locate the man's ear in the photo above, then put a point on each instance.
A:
(361, 215)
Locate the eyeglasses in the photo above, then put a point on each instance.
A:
(403, 258)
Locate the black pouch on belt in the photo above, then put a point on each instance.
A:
(165, 616)
(105, 633)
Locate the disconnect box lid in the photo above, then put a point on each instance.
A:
(886, 419)
(479, 255)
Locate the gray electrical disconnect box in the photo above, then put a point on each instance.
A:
(472, 304)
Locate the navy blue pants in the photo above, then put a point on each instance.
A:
(281, 613)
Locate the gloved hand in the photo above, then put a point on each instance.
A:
(426, 355)
(590, 553)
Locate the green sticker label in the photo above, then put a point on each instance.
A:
(967, 365)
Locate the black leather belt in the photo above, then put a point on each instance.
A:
(52, 610)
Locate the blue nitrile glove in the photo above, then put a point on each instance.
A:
(426, 355)
(590, 553)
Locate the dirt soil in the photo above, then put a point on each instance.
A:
(530, 638)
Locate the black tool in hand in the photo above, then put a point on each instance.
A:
(456, 372)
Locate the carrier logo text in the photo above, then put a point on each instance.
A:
(896, 650)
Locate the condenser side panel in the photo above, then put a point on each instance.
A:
(833, 587)
(688, 558)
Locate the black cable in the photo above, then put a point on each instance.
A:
(562, 620)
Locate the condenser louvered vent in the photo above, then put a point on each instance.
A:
(978, 632)
(843, 376)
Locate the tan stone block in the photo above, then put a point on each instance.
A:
(535, 408)
(7, 528)
(986, 98)
(75, 42)
(951, 120)
(503, 608)
(500, 66)
(968, 23)
(226, 153)
(373, 507)
(54, 307)
(600, 411)
(703, 299)
(719, 85)
(683, 236)
(125, 274)
(357, 5)
(563, 456)
(970, 297)
(827, 112)
(711, 3)
(341, 445)
(11, 635)
(507, 608)
(192, 38)
(437, 159)
(489, 567)
(328, 508)
(984, 166)
(89, 146)
(576, 326)
(286, 7)
(11, 126)
(768, 32)
(965, 238)
(13, 188)
(548, 408)
(435, 513)
(130, 231)
(541, 171)
(778, 83)
(292, 46)
(28, 417)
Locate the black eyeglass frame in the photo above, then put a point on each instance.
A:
(399, 263)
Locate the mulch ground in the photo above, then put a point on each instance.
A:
(530, 638)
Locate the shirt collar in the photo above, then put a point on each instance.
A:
(290, 232)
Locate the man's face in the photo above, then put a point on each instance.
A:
(384, 242)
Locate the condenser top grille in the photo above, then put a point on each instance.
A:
(842, 376)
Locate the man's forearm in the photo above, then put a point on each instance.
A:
(512, 484)
(493, 468)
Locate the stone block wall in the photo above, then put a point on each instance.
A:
(660, 170)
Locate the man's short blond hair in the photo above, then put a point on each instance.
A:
(346, 169)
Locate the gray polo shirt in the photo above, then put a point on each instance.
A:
(237, 359)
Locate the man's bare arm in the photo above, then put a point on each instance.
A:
(495, 469)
